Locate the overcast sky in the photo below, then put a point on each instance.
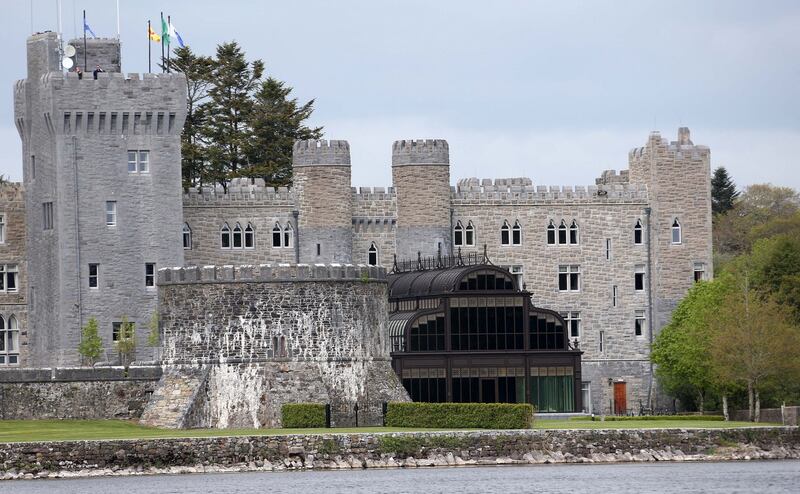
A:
(555, 91)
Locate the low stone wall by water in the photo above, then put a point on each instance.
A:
(76, 393)
(388, 450)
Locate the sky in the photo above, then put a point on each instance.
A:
(554, 91)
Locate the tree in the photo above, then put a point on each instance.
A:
(233, 83)
(154, 336)
(723, 191)
(126, 342)
(774, 266)
(754, 343)
(197, 70)
(91, 346)
(276, 123)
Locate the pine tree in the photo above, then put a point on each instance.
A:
(197, 69)
(233, 83)
(91, 346)
(276, 123)
(723, 191)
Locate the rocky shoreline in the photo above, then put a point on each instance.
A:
(71, 459)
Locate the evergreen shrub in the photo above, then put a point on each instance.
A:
(460, 415)
(303, 415)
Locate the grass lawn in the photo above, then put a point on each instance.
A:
(64, 430)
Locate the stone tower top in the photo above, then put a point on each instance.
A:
(684, 136)
(420, 152)
(105, 52)
(320, 152)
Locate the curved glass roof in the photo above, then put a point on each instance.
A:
(432, 282)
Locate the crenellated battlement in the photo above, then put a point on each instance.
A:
(270, 273)
(544, 193)
(240, 190)
(612, 177)
(12, 191)
(682, 148)
(420, 152)
(373, 193)
(494, 184)
(320, 152)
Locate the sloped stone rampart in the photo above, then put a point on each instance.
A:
(391, 450)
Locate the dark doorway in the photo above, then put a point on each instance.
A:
(620, 399)
(488, 391)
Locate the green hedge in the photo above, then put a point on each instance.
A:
(303, 415)
(460, 415)
(619, 418)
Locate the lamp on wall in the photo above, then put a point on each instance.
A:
(610, 381)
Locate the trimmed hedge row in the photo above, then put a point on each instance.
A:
(303, 415)
(460, 415)
(621, 418)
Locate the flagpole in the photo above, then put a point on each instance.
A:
(149, 49)
(117, 19)
(169, 23)
(162, 41)
(84, 41)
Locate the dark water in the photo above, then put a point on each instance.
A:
(729, 477)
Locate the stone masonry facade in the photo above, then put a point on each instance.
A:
(631, 267)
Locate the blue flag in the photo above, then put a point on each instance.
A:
(87, 28)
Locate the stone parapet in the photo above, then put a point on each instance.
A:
(266, 273)
(542, 193)
(320, 152)
(420, 152)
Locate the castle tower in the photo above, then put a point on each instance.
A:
(102, 174)
(104, 52)
(678, 179)
(421, 178)
(321, 181)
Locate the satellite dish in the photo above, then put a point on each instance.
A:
(67, 63)
(69, 51)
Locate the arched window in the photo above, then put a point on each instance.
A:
(237, 236)
(676, 232)
(288, 235)
(637, 233)
(225, 236)
(372, 255)
(551, 233)
(277, 235)
(187, 236)
(562, 233)
(470, 234)
(573, 233)
(516, 234)
(249, 237)
(505, 234)
(458, 234)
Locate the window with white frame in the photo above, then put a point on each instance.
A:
(573, 320)
(150, 275)
(699, 271)
(111, 213)
(249, 237)
(9, 277)
(288, 235)
(573, 233)
(47, 216)
(458, 234)
(9, 341)
(283, 236)
(372, 255)
(637, 233)
(94, 275)
(277, 235)
(138, 161)
(551, 233)
(469, 234)
(562, 233)
(518, 276)
(638, 277)
(187, 237)
(516, 234)
(505, 234)
(640, 323)
(2, 228)
(225, 236)
(237, 236)
(569, 278)
(677, 236)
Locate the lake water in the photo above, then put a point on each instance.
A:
(728, 477)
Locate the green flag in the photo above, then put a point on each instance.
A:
(164, 31)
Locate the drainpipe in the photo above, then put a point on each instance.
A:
(647, 212)
(296, 214)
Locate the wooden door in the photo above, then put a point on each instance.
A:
(620, 399)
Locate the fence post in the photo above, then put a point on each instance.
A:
(328, 415)
(355, 408)
(384, 411)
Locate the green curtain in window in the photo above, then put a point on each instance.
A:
(552, 393)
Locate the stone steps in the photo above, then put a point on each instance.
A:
(174, 397)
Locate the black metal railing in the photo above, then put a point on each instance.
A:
(440, 261)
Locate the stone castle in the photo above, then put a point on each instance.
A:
(102, 210)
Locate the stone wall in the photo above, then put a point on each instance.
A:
(14, 302)
(387, 450)
(76, 393)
